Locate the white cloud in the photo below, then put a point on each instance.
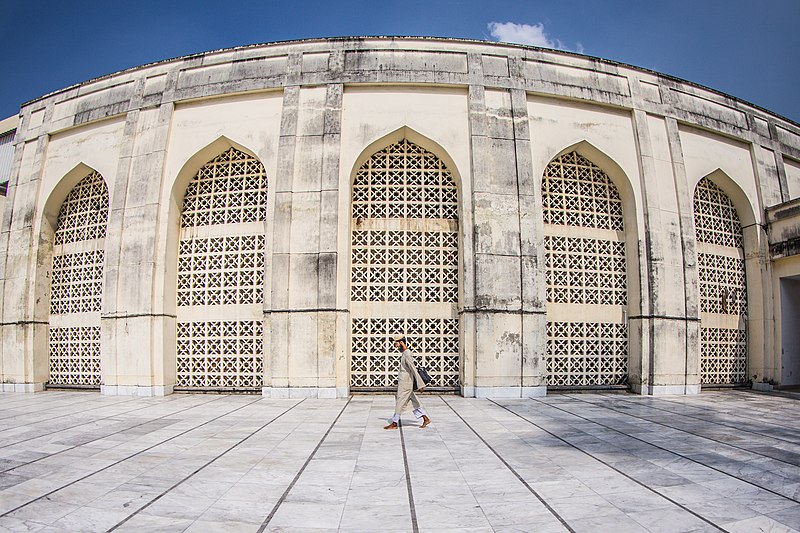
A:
(511, 32)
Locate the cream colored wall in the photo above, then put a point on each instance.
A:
(369, 114)
(708, 154)
(96, 145)
(251, 120)
(558, 124)
(705, 152)
(74, 153)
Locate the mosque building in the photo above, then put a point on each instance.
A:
(266, 218)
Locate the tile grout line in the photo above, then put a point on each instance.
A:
(122, 460)
(612, 467)
(686, 431)
(668, 451)
(154, 500)
(280, 501)
(511, 469)
(412, 508)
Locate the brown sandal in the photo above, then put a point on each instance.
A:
(393, 425)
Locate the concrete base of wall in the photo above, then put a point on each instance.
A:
(304, 392)
(135, 390)
(21, 387)
(504, 392)
(762, 387)
(665, 390)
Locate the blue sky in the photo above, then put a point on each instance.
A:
(746, 48)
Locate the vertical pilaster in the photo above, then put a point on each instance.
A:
(304, 325)
(506, 362)
(26, 255)
(133, 318)
(662, 322)
(688, 242)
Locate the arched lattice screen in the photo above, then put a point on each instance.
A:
(76, 287)
(723, 290)
(404, 276)
(586, 275)
(221, 275)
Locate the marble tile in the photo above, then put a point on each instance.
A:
(90, 521)
(673, 520)
(760, 523)
(357, 479)
(307, 515)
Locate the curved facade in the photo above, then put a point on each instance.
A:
(265, 218)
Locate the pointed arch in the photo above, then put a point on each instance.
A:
(722, 278)
(404, 272)
(415, 137)
(220, 269)
(79, 226)
(586, 221)
(197, 160)
(613, 171)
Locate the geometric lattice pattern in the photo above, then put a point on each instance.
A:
(723, 287)
(715, 217)
(220, 354)
(393, 262)
(221, 270)
(587, 353)
(76, 284)
(575, 192)
(375, 361)
(722, 284)
(75, 356)
(84, 213)
(229, 189)
(724, 355)
(404, 181)
(584, 270)
(221, 277)
(404, 266)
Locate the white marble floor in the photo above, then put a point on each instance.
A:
(720, 461)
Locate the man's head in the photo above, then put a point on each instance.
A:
(400, 343)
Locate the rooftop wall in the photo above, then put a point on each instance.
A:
(418, 61)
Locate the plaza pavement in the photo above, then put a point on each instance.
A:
(719, 461)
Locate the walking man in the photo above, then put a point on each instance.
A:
(405, 386)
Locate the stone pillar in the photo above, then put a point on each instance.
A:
(305, 330)
(509, 334)
(668, 322)
(25, 255)
(138, 335)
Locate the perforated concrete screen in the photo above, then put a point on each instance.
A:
(76, 288)
(723, 289)
(586, 275)
(404, 273)
(221, 275)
